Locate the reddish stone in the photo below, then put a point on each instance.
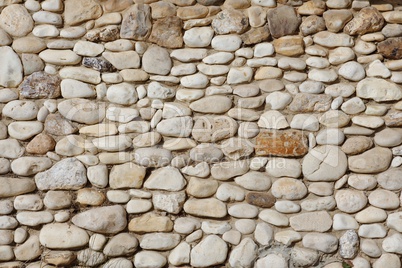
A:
(41, 144)
(263, 200)
(281, 143)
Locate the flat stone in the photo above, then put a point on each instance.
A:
(368, 20)
(372, 161)
(57, 177)
(63, 236)
(385, 91)
(82, 110)
(89, 49)
(305, 103)
(333, 40)
(374, 230)
(16, 20)
(23, 130)
(281, 143)
(149, 223)
(238, 75)
(109, 220)
(211, 246)
(326, 243)
(263, 200)
(389, 179)
(81, 73)
(14, 186)
(146, 258)
(284, 188)
(283, 167)
(221, 104)
(319, 221)
(384, 199)
(29, 165)
(254, 181)
(11, 67)
(123, 60)
(209, 207)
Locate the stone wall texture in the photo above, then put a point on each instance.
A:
(200, 133)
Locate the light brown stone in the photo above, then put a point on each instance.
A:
(368, 20)
(41, 144)
(167, 32)
(289, 46)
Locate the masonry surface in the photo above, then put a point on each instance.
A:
(200, 133)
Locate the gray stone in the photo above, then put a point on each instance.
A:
(156, 60)
(68, 174)
(348, 244)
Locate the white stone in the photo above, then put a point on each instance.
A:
(198, 36)
(89, 49)
(10, 67)
(378, 90)
(352, 71)
(213, 247)
(229, 43)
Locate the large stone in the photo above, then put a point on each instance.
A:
(283, 21)
(14, 186)
(30, 165)
(67, 174)
(324, 163)
(333, 40)
(305, 103)
(11, 148)
(127, 175)
(20, 110)
(378, 89)
(40, 85)
(372, 161)
(229, 21)
(166, 178)
(16, 20)
(10, 67)
(212, 246)
(77, 11)
(281, 143)
(106, 220)
(82, 110)
(368, 20)
(149, 223)
(208, 207)
(350, 201)
(156, 60)
(166, 32)
(198, 36)
(213, 128)
(289, 45)
(326, 243)
(136, 23)
(212, 104)
(319, 221)
(63, 236)
(391, 48)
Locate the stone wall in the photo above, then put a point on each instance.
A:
(237, 133)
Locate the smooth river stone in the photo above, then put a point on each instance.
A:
(372, 161)
(378, 89)
(105, 220)
(63, 236)
(21, 110)
(208, 207)
(15, 186)
(10, 67)
(82, 111)
(212, 104)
